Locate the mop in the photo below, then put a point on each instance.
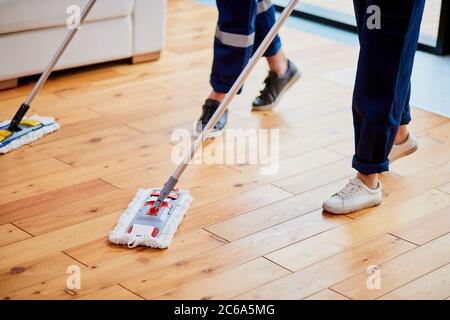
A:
(153, 216)
(23, 130)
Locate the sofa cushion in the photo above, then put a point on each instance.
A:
(24, 15)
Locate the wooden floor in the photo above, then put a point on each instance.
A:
(246, 235)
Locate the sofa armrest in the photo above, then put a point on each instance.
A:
(149, 24)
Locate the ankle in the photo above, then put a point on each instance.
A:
(278, 63)
(371, 180)
(218, 96)
(402, 135)
(281, 68)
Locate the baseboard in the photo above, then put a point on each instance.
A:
(8, 84)
(146, 57)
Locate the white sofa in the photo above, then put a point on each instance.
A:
(32, 30)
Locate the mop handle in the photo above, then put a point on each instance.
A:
(58, 54)
(236, 86)
(23, 109)
(173, 179)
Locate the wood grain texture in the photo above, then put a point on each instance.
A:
(114, 292)
(425, 229)
(158, 282)
(432, 286)
(322, 275)
(10, 233)
(41, 270)
(326, 294)
(61, 195)
(445, 188)
(107, 265)
(228, 284)
(400, 270)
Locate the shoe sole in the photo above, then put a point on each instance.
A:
(406, 153)
(348, 211)
(291, 82)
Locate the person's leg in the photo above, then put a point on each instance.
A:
(233, 47)
(383, 81)
(380, 96)
(283, 73)
(264, 21)
(404, 142)
(233, 43)
(360, 7)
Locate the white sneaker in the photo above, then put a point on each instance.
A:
(354, 197)
(403, 149)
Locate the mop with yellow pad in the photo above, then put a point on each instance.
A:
(22, 130)
(153, 216)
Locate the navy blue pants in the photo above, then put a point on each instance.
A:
(382, 86)
(242, 26)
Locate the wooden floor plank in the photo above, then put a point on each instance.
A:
(48, 104)
(425, 121)
(397, 189)
(326, 294)
(10, 233)
(102, 251)
(59, 240)
(127, 264)
(432, 286)
(43, 201)
(12, 171)
(401, 270)
(15, 194)
(227, 284)
(422, 160)
(230, 255)
(92, 142)
(320, 276)
(202, 216)
(445, 188)
(425, 229)
(317, 177)
(61, 195)
(20, 277)
(268, 216)
(72, 213)
(380, 221)
(114, 292)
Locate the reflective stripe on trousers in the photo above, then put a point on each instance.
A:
(242, 26)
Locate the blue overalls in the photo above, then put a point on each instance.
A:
(242, 26)
(382, 86)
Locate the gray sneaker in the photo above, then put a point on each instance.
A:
(275, 87)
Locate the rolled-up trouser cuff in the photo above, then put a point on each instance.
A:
(406, 119)
(217, 87)
(369, 168)
(222, 88)
(274, 47)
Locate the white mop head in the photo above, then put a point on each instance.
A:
(49, 126)
(120, 234)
